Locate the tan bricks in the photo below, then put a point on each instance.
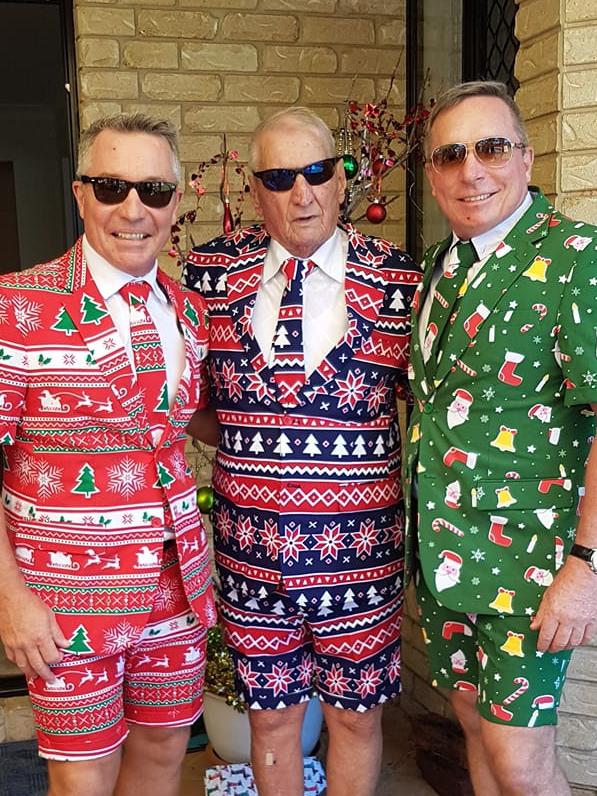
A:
(105, 21)
(296, 6)
(543, 134)
(281, 58)
(219, 57)
(535, 17)
(150, 55)
(369, 61)
(580, 10)
(317, 90)
(98, 52)
(580, 45)
(538, 57)
(538, 97)
(260, 27)
(579, 172)
(368, 7)
(579, 130)
(579, 88)
(177, 24)
(392, 33)
(158, 109)
(262, 89)
(240, 118)
(109, 85)
(91, 111)
(185, 88)
(331, 30)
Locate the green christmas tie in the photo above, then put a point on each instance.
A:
(445, 296)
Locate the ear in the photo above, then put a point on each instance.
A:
(254, 188)
(341, 174)
(79, 193)
(528, 158)
(431, 175)
(178, 194)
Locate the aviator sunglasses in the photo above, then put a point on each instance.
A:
(494, 152)
(283, 179)
(111, 191)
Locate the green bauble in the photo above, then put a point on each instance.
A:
(205, 499)
(350, 166)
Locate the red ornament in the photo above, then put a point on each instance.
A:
(376, 213)
(378, 167)
(227, 222)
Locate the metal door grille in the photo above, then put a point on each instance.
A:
(489, 45)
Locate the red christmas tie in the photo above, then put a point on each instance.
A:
(148, 356)
(288, 362)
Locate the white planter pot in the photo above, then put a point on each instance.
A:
(230, 734)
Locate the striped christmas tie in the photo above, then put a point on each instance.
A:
(288, 358)
(148, 356)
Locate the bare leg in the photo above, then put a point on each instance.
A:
(482, 778)
(84, 777)
(151, 761)
(276, 754)
(523, 760)
(508, 761)
(354, 751)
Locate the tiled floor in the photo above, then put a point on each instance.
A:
(399, 774)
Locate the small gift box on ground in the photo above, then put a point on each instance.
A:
(236, 779)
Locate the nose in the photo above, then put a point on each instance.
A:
(302, 192)
(472, 168)
(132, 207)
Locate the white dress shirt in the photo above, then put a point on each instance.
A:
(325, 319)
(109, 280)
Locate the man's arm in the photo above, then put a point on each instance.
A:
(567, 615)
(28, 628)
(204, 426)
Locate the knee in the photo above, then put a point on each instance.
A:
(161, 744)
(464, 704)
(350, 722)
(279, 722)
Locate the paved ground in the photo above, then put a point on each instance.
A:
(399, 774)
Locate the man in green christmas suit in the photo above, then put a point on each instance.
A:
(504, 370)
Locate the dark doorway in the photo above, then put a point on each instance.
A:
(37, 117)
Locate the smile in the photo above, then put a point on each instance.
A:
(479, 198)
(130, 235)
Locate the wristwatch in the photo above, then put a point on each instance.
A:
(588, 554)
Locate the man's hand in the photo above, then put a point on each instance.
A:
(567, 615)
(30, 633)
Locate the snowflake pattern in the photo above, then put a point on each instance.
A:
(126, 478)
(47, 477)
(27, 314)
(119, 637)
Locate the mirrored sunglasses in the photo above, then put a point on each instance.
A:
(494, 152)
(283, 179)
(110, 191)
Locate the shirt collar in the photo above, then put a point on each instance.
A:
(330, 257)
(488, 242)
(110, 280)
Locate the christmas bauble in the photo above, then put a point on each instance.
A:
(350, 166)
(378, 167)
(205, 499)
(376, 213)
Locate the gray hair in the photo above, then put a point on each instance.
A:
(477, 88)
(129, 123)
(299, 114)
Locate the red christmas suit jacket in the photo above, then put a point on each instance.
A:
(85, 490)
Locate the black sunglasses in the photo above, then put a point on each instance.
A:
(111, 191)
(494, 152)
(283, 179)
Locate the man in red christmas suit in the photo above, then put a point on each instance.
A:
(105, 592)
(308, 510)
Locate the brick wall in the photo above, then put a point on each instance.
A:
(557, 68)
(222, 66)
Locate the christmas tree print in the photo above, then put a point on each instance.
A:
(163, 404)
(91, 310)
(85, 481)
(64, 323)
(79, 641)
(189, 312)
(165, 477)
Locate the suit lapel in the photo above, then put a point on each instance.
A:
(504, 267)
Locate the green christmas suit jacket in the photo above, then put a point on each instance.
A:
(502, 426)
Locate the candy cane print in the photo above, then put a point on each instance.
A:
(466, 369)
(440, 523)
(526, 327)
(541, 309)
(523, 685)
(499, 711)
